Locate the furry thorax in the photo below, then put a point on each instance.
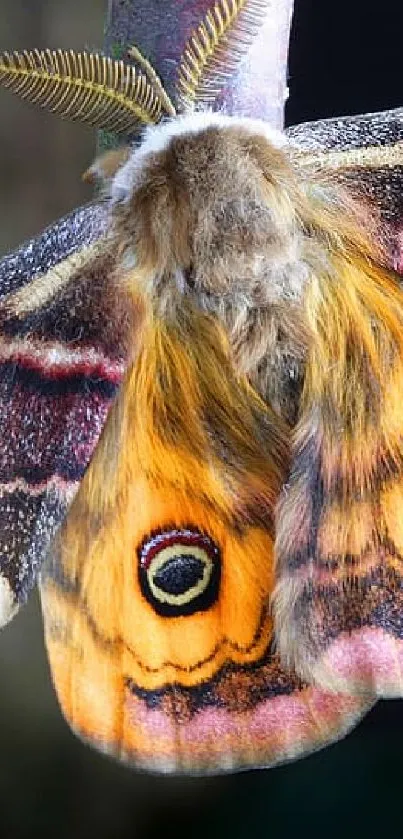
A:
(219, 215)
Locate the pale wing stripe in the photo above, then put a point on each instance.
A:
(374, 157)
(66, 489)
(39, 291)
(57, 356)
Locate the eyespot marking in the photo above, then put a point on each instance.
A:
(179, 571)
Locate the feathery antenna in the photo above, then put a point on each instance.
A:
(88, 87)
(153, 79)
(216, 47)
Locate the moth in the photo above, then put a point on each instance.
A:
(201, 415)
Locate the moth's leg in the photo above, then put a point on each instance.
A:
(105, 166)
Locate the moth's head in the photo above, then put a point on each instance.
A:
(209, 200)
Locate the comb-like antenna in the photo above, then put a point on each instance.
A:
(215, 49)
(84, 86)
(154, 80)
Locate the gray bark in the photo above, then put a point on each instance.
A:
(161, 29)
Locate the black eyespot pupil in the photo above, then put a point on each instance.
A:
(179, 574)
(179, 571)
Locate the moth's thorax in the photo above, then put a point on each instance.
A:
(205, 214)
(207, 201)
(157, 138)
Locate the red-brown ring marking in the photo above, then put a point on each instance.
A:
(179, 571)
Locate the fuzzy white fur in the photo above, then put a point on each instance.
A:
(156, 138)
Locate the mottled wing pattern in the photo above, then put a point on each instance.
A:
(339, 600)
(365, 153)
(61, 240)
(62, 358)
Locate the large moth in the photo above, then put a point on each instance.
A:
(201, 419)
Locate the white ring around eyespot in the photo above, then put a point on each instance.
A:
(169, 553)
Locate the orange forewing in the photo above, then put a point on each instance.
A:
(201, 692)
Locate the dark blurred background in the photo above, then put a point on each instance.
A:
(345, 58)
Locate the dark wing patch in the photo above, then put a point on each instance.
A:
(63, 349)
